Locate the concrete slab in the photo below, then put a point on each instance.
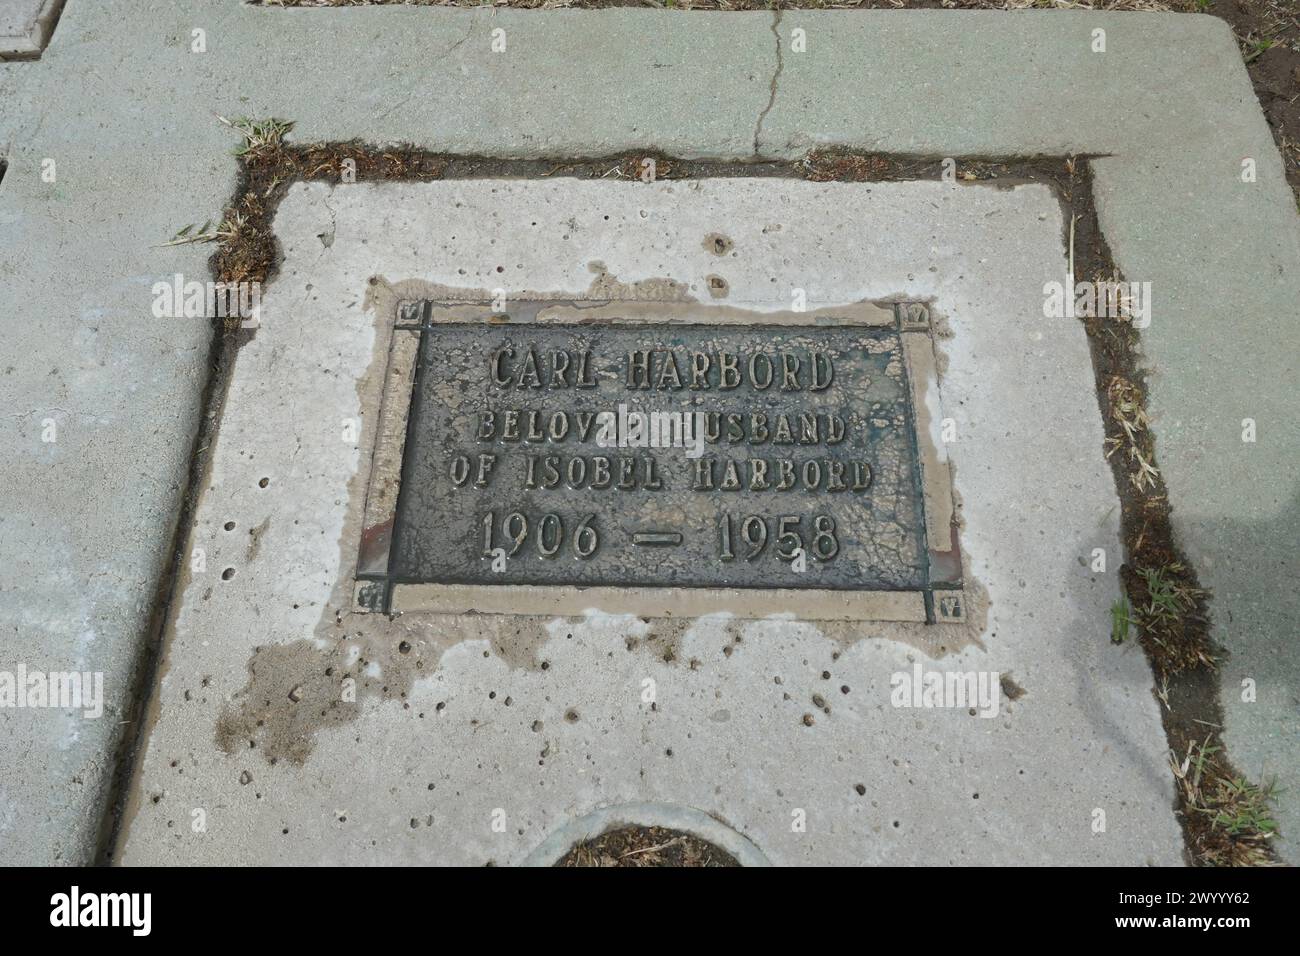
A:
(77, 576)
(458, 733)
(26, 26)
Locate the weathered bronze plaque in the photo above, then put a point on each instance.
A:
(690, 456)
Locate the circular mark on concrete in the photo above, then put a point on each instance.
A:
(665, 815)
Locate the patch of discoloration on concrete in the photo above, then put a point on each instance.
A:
(255, 538)
(650, 289)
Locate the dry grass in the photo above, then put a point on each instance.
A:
(1240, 821)
(1168, 608)
(1128, 412)
(246, 249)
(1164, 601)
(260, 136)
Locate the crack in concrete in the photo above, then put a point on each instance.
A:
(776, 75)
(443, 55)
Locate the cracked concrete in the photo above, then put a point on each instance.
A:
(776, 77)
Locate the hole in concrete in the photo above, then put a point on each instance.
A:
(646, 846)
(4, 165)
(646, 834)
(229, 526)
(717, 244)
(264, 482)
(227, 574)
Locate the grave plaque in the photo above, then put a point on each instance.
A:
(653, 456)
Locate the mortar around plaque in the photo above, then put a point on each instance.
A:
(660, 459)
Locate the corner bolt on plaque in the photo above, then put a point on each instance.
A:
(638, 458)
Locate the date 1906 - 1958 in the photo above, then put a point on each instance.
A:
(746, 536)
